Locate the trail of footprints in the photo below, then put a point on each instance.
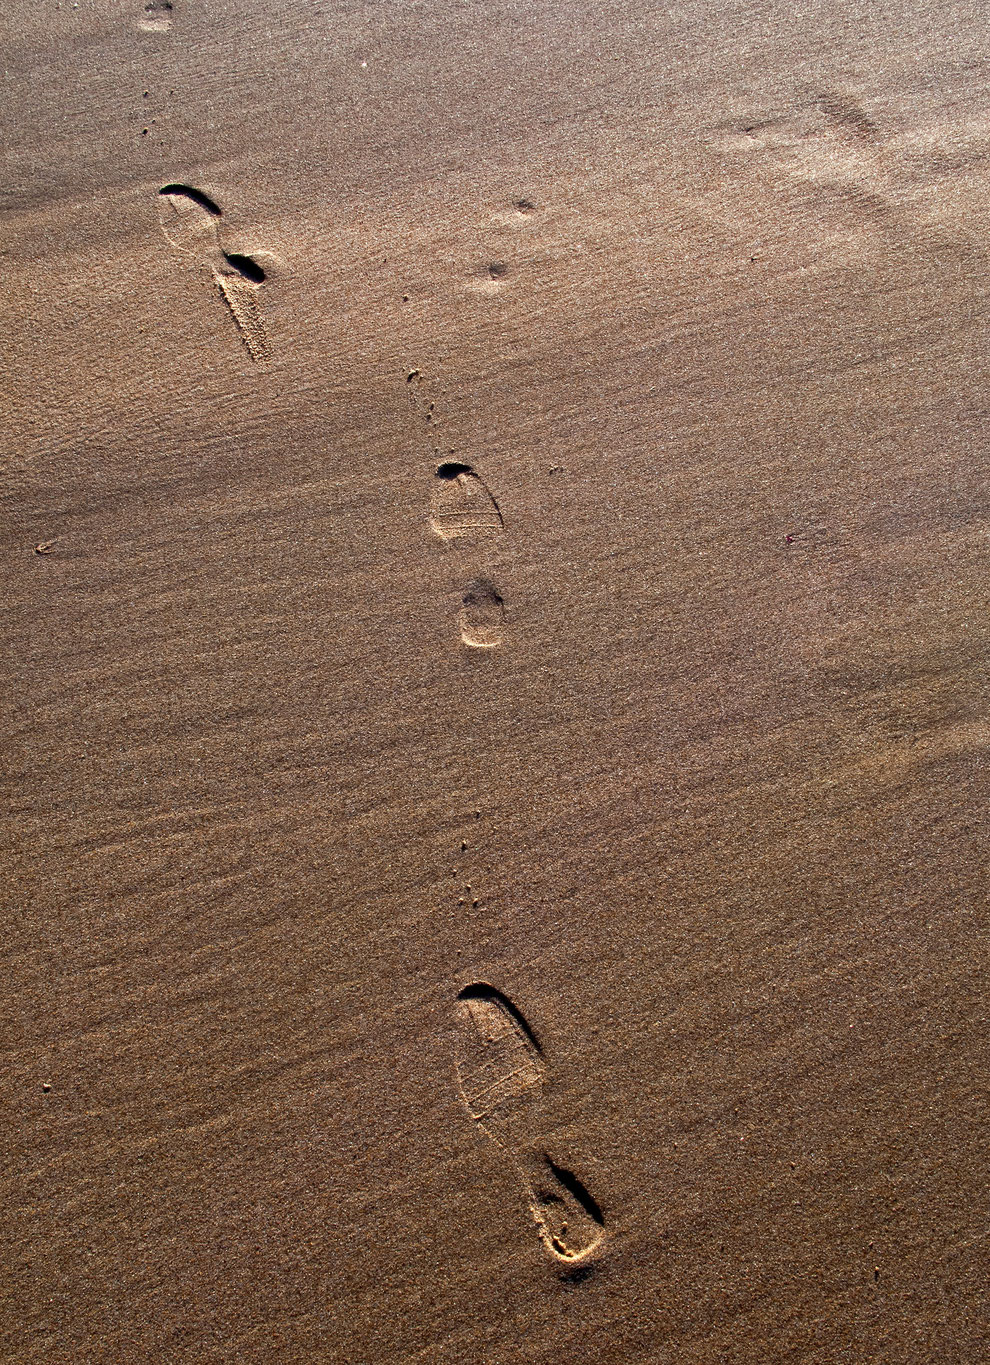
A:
(190, 221)
(500, 1064)
(501, 1069)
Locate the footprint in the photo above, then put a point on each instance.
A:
(489, 278)
(847, 116)
(157, 16)
(517, 214)
(824, 123)
(461, 505)
(500, 1071)
(191, 223)
(482, 615)
(830, 138)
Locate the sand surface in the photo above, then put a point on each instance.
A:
(533, 911)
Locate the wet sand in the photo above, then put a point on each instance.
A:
(496, 598)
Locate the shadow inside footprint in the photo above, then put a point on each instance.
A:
(569, 1218)
(246, 266)
(482, 615)
(177, 191)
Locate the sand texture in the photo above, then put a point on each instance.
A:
(493, 519)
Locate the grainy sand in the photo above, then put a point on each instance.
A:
(533, 911)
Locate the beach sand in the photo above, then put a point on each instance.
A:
(495, 604)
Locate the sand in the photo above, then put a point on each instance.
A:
(495, 603)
